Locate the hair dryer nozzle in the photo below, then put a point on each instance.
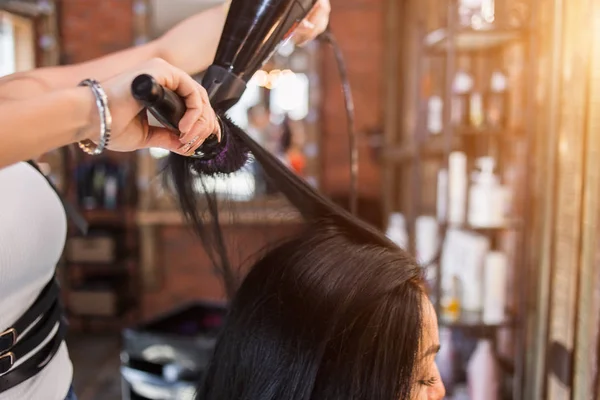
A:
(223, 87)
(252, 32)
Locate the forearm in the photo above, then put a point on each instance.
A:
(180, 47)
(197, 52)
(36, 82)
(32, 127)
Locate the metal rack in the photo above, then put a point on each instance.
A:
(446, 44)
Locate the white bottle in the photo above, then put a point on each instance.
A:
(457, 183)
(462, 85)
(442, 193)
(473, 249)
(426, 238)
(435, 117)
(487, 197)
(426, 243)
(482, 372)
(396, 230)
(495, 272)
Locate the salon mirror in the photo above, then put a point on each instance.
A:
(279, 109)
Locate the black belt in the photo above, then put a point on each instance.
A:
(28, 333)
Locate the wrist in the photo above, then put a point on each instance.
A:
(86, 116)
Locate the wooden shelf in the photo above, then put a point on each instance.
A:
(470, 132)
(471, 40)
(434, 147)
(508, 225)
(108, 217)
(266, 217)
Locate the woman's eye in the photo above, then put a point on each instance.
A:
(428, 382)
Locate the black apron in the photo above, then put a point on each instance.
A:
(39, 320)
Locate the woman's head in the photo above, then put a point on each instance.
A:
(326, 317)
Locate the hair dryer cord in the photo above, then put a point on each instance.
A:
(328, 37)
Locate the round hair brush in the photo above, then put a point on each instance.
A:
(213, 157)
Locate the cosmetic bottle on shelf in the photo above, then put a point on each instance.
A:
(450, 300)
(487, 197)
(476, 110)
(451, 262)
(477, 14)
(457, 186)
(442, 193)
(461, 89)
(496, 101)
(482, 373)
(473, 249)
(435, 112)
(495, 273)
(396, 230)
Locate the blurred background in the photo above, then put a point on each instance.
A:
(479, 140)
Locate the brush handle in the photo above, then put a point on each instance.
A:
(164, 104)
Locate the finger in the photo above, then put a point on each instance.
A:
(325, 5)
(191, 116)
(321, 24)
(165, 139)
(189, 148)
(320, 10)
(203, 125)
(162, 138)
(185, 86)
(313, 25)
(202, 129)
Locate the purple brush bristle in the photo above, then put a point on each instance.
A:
(231, 154)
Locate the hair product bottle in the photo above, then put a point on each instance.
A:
(495, 280)
(457, 184)
(396, 230)
(496, 102)
(482, 373)
(487, 197)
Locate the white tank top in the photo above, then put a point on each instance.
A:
(33, 230)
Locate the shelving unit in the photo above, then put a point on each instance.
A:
(412, 162)
(100, 282)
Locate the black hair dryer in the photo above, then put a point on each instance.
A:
(252, 32)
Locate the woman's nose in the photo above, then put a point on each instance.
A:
(438, 392)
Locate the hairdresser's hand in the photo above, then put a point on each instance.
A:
(314, 24)
(130, 129)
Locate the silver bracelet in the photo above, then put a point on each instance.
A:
(87, 145)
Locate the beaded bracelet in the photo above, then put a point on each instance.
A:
(87, 145)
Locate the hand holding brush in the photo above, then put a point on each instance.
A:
(217, 153)
(131, 130)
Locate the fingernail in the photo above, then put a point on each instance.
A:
(186, 147)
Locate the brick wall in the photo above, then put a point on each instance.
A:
(91, 29)
(186, 270)
(358, 26)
